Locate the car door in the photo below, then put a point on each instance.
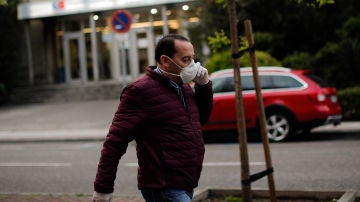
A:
(285, 90)
(223, 115)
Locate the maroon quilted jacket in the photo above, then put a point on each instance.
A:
(170, 147)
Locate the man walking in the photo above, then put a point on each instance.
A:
(163, 114)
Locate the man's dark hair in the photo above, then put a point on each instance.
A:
(166, 45)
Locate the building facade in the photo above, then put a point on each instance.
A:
(77, 42)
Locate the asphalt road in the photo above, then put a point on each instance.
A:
(324, 161)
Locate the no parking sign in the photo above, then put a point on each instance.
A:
(121, 21)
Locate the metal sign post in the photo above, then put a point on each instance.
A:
(121, 22)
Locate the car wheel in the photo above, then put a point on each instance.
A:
(278, 126)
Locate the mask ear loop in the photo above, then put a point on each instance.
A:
(174, 63)
(169, 72)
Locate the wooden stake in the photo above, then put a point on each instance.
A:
(246, 188)
(262, 117)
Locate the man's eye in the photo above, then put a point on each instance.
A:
(187, 59)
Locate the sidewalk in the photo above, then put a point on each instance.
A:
(85, 120)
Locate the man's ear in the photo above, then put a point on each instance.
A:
(164, 60)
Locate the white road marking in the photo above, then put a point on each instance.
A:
(212, 164)
(231, 163)
(35, 164)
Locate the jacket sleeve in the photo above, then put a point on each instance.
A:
(204, 99)
(125, 126)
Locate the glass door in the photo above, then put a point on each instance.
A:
(75, 57)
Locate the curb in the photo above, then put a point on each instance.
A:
(314, 195)
(345, 126)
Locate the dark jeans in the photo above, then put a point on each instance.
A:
(167, 195)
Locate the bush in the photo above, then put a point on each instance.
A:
(223, 60)
(351, 28)
(219, 61)
(349, 100)
(298, 60)
(339, 61)
(264, 40)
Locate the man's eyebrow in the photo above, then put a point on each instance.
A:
(187, 56)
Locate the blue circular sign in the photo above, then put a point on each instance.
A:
(121, 21)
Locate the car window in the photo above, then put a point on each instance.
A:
(216, 84)
(266, 82)
(223, 84)
(282, 81)
(247, 82)
(226, 84)
(229, 85)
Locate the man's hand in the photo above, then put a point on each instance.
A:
(202, 75)
(101, 197)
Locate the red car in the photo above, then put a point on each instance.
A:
(294, 101)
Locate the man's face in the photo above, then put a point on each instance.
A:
(184, 53)
(183, 57)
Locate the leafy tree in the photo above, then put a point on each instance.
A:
(293, 26)
(317, 2)
(322, 34)
(351, 28)
(219, 41)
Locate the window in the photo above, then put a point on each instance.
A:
(226, 84)
(266, 81)
(223, 84)
(247, 82)
(281, 81)
(217, 84)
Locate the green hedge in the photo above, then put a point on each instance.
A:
(349, 100)
(222, 60)
(298, 60)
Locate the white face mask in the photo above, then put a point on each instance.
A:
(187, 73)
